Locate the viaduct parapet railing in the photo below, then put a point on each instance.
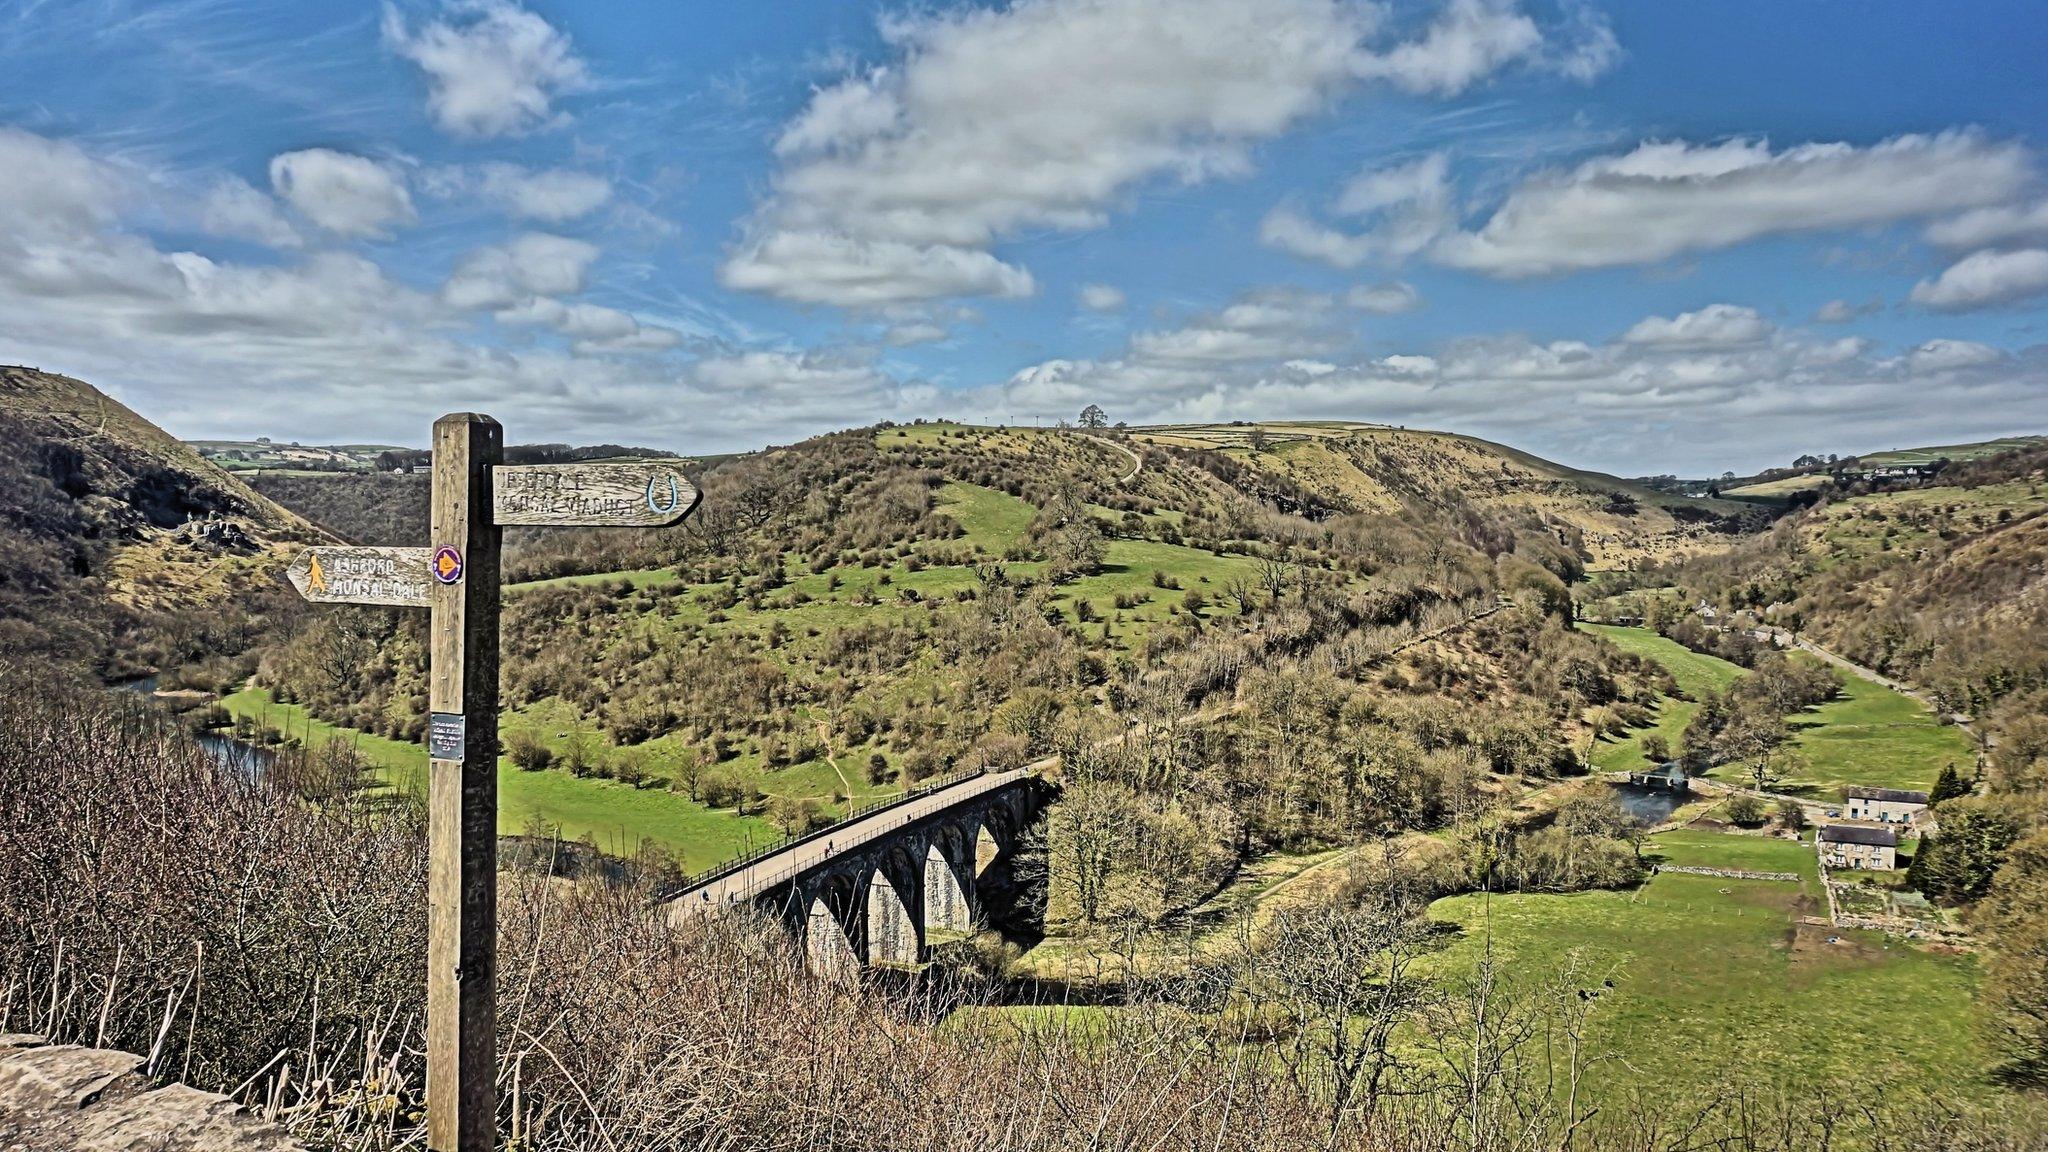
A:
(824, 832)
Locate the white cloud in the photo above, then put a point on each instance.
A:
(897, 182)
(330, 344)
(1985, 279)
(823, 268)
(1666, 199)
(55, 185)
(1384, 299)
(552, 195)
(1471, 40)
(1292, 232)
(1707, 389)
(843, 114)
(1409, 365)
(1406, 208)
(1102, 298)
(1833, 351)
(1715, 326)
(493, 68)
(1267, 325)
(233, 207)
(593, 327)
(1587, 49)
(781, 388)
(1984, 227)
(343, 193)
(502, 276)
(1375, 189)
(912, 332)
(1950, 355)
(1841, 311)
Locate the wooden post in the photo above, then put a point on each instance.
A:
(456, 579)
(462, 800)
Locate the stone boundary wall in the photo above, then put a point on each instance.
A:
(65, 1098)
(1730, 873)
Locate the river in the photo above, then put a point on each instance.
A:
(237, 756)
(1652, 806)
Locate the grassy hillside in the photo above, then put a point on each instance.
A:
(122, 456)
(1774, 486)
(1617, 522)
(848, 615)
(110, 524)
(1696, 675)
(1956, 453)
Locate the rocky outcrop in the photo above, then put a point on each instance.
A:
(64, 1098)
(216, 534)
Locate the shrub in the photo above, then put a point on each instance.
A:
(528, 753)
(1746, 810)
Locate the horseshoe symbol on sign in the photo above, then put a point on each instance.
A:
(654, 502)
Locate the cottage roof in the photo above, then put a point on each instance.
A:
(1888, 795)
(1858, 834)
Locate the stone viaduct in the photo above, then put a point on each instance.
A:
(871, 888)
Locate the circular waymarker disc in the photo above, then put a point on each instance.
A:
(447, 564)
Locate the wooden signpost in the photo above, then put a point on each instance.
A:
(456, 578)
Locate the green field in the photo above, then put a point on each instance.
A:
(993, 520)
(1780, 488)
(1716, 983)
(1703, 848)
(1955, 452)
(617, 816)
(1696, 674)
(1870, 735)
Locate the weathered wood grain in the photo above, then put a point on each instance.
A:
(398, 577)
(591, 495)
(462, 795)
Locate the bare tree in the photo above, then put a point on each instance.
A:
(1240, 590)
(1274, 577)
(1340, 977)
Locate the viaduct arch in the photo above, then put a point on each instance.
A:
(873, 889)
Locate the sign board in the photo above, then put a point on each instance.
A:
(446, 733)
(337, 575)
(591, 495)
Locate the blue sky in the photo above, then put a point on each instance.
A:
(1641, 237)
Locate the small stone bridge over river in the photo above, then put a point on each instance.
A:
(871, 888)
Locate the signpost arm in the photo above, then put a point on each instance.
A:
(462, 804)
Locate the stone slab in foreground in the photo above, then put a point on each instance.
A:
(64, 1098)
